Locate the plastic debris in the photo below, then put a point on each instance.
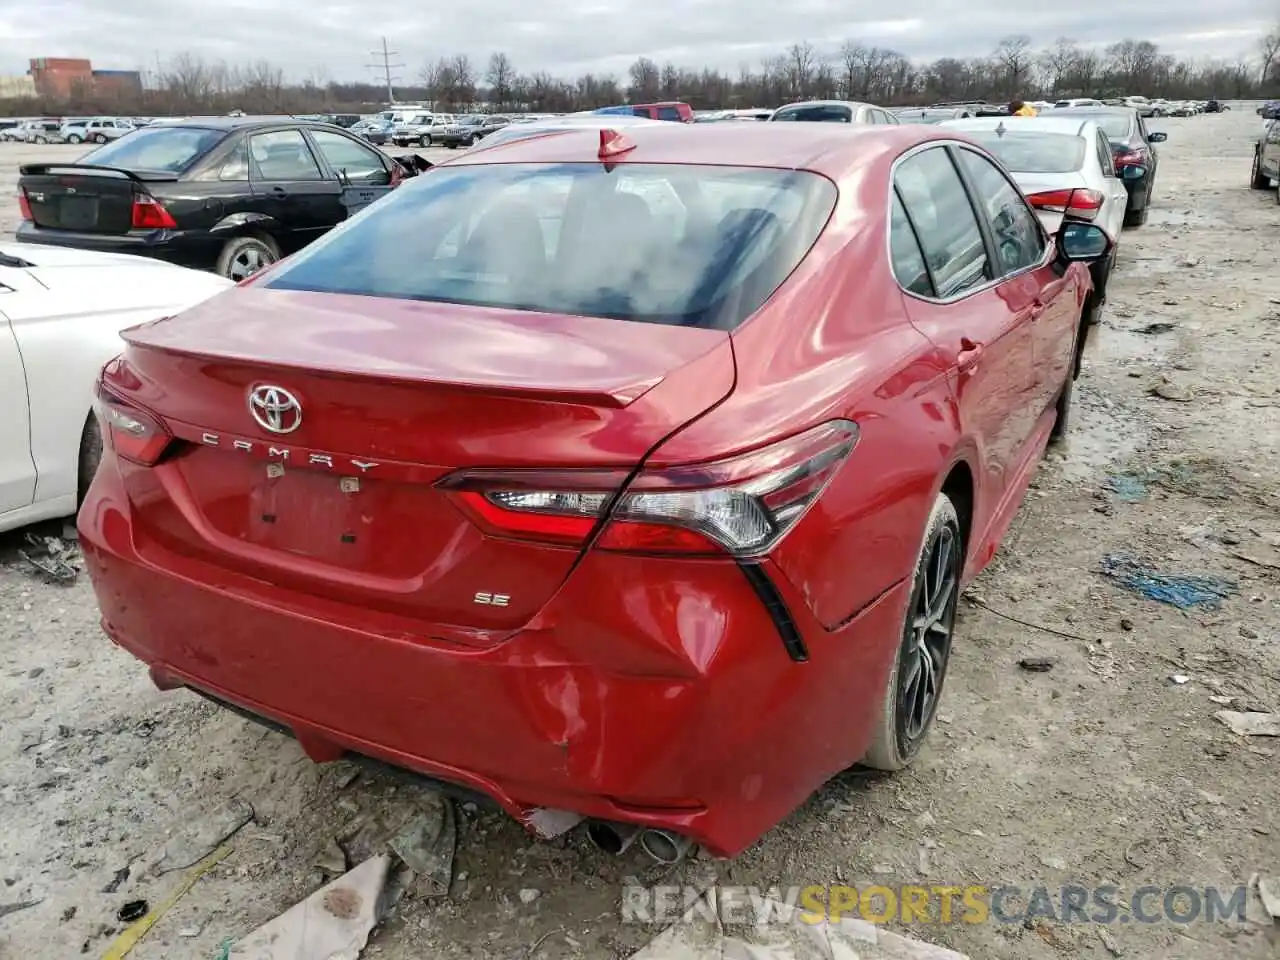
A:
(1251, 724)
(56, 559)
(333, 923)
(1037, 664)
(1127, 487)
(428, 843)
(1269, 894)
(133, 910)
(1180, 678)
(8, 908)
(1178, 590)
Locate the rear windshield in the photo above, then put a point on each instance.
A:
(1024, 152)
(696, 246)
(824, 113)
(1117, 126)
(171, 149)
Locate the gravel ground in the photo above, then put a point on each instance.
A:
(1103, 770)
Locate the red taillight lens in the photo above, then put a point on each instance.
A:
(1077, 203)
(132, 433)
(24, 205)
(397, 174)
(1130, 158)
(743, 505)
(148, 214)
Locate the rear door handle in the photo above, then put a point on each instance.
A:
(279, 192)
(969, 355)
(1037, 310)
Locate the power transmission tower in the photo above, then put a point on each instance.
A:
(385, 68)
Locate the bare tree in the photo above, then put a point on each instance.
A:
(1057, 63)
(801, 61)
(1013, 54)
(464, 81)
(646, 80)
(501, 77)
(1268, 52)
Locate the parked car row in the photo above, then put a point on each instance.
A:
(69, 129)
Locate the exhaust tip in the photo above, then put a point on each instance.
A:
(612, 838)
(665, 847)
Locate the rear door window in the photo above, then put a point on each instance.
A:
(283, 155)
(815, 113)
(669, 113)
(697, 246)
(938, 206)
(1106, 159)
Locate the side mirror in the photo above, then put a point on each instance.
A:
(1082, 241)
(1157, 137)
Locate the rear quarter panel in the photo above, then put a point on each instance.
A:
(835, 342)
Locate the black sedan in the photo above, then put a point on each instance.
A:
(232, 194)
(1133, 153)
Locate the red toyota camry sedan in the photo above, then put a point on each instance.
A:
(621, 475)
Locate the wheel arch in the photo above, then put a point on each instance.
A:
(236, 224)
(958, 485)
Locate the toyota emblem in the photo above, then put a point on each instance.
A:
(275, 409)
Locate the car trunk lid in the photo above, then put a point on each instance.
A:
(394, 396)
(84, 198)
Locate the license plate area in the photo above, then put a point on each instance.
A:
(77, 213)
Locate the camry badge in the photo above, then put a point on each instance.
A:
(275, 408)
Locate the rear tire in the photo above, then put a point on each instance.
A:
(74, 138)
(90, 457)
(245, 255)
(1257, 181)
(914, 687)
(100, 138)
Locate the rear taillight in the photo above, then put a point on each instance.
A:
(24, 205)
(397, 174)
(1126, 158)
(1081, 203)
(149, 214)
(130, 432)
(743, 505)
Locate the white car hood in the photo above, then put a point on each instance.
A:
(107, 281)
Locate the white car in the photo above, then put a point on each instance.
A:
(1062, 164)
(61, 313)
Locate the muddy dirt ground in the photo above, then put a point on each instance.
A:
(1103, 770)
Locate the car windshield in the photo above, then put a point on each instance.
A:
(1026, 152)
(696, 246)
(171, 149)
(815, 113)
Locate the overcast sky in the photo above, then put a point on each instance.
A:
(336, 39)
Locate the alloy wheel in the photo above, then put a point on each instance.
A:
(927, 644)
(248, 262)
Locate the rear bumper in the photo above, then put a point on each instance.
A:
(649, 691)
(187, 249)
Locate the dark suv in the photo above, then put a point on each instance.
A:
(229, 193)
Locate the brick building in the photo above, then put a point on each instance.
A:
(60, 78)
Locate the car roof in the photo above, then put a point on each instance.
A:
(1104, 110)
(242, 123)
(1053, 123)
(826, 103)
(829, 149)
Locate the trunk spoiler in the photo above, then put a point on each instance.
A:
(137, 176)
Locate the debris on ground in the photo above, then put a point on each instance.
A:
(1037, 664)
(133, 910)
(198, 839)
(8, 908)
(55, 558)
(1166, 389)
(1157, 326)
(1183, 592)
(142, 917)
(1126, 487)
(1108, 943)
(1251, 724)
(1180, 678)
(332, 859)
(428, 843)
(333, 923)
